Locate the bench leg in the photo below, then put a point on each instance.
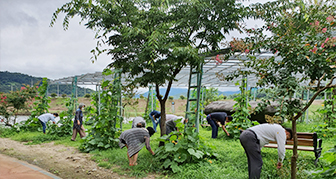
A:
(317, 155)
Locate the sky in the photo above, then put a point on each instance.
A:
(30, 46)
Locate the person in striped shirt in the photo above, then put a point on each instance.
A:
(134, 140)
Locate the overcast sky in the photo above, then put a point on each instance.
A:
(30, 46)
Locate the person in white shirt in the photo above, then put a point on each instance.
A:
(44, 118)
(254, 138)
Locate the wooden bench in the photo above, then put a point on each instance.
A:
(306, 142)
(205, 125)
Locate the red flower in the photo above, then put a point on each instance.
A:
(314, 50)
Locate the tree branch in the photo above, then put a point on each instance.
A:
(315, 95)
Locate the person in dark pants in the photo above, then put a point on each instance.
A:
(156, 118)
(44, 118)
(217, 118)
(78, 123)
(254, 138)
(171, 123)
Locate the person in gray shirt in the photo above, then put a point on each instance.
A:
(138, 122)
(44, 118)
(254, 138)
(171, 123)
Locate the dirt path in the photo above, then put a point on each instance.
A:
(65, 162)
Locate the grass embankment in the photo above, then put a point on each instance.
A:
(230, 163)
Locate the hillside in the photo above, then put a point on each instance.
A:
(14, 81)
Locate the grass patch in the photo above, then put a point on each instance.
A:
(230, 163)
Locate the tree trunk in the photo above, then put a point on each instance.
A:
(295, 155)
(163, 120)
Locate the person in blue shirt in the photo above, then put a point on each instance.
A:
(44, 118)
(217, 118)
(156, 118)
(78, 123)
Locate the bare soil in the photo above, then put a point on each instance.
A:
(65, 162)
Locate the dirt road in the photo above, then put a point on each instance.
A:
(65, 162)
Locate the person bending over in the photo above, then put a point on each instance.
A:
(134, 139)
(44, 118)
(254, 138)
(217, 118)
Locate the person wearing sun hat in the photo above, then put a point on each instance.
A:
(138, 122)
(78, 123)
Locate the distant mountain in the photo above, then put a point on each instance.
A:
(14, 81)
(177, 92)
(228, 93)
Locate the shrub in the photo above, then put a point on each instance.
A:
(182, 148)
(53, 95)
(64, 95)
(182, 97)
(330, 170)
(171, 97)
(87, 95)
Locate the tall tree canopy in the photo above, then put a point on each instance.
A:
(304, 37)
(153, 40)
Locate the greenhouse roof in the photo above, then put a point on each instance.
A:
(209, 78)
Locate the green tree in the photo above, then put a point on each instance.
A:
(107, 126)
(154, 40)
(40, 106)
(303, 35)
(15, 101)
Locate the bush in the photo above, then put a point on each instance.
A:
(53, 95)
(87, 95)
(171, 97)
(182, 148)
(182, 97)
(64, 95)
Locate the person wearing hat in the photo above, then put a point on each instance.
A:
(171, 122)
(254, 138)
(134, 140)
(78, 123)
(138, 122)
(44, 118)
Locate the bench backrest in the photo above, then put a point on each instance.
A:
(304, 139)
